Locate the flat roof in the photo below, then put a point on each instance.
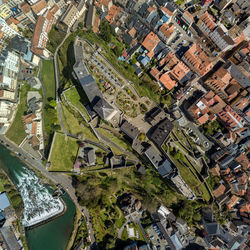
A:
(4, 201)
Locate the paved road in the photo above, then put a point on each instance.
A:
(143, 231)
(166, 236)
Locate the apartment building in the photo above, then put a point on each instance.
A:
(40, 36)
(9, 63)
(5, 11)
(8, 32)
(69, 17)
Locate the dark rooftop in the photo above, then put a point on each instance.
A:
(19, 44)
(237, 74)
(130, 130)
(165, 168)
(90, 16)
(161, 132)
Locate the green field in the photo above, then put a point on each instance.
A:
(192, 181)
(16, 132)
(118, 141)
(72, 125)
(51, 123)
(77, 98)
(63, 153)
(55, 38)
(48, 77)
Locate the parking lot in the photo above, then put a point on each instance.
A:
(156, 237)
(197, 136)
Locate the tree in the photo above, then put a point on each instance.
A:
(105, 31)
(56, 127)
(80, 25)
(118, 50)
(52, 103)
(133, 60)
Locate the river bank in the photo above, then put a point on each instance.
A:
(56, 233)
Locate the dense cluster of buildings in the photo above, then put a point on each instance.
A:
(177, 47)
(38, 17)
(150, 32)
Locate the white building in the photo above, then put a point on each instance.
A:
(10, 68)
(6, 29)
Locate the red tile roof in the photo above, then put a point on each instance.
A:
(233, 200)
(219, 191)
(166, 11)
(170, 60)
(25, 7)
(243, 160)
(203, 119)
(54, 9)
(39, 6)
(150, 41)
(113, 13)
(198, 59)
(33, 128)
(167, 30)
(208, 20)
(155, 73)
(151, 8)
(229, 117)
(28, 118)
(167, 81)
(132, 32)
(179, 70)
(242, 103)
(37, 31)
(96, 24)
(105, 3)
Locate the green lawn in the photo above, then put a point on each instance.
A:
(49, 114)
(77, 98)
(16, 132)
(121, 143)
(72, 125)
(48, 77)
(192, 181)
(63, 153)
(55, 38)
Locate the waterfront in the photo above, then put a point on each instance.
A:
(54, 234)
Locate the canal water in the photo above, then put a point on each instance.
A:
(53, 235)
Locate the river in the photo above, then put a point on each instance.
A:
(53, 235)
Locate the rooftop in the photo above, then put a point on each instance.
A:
(167, 80)
(197, 58)
(161, 132)
(129, 129)
(150, 41)
(103, 109)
